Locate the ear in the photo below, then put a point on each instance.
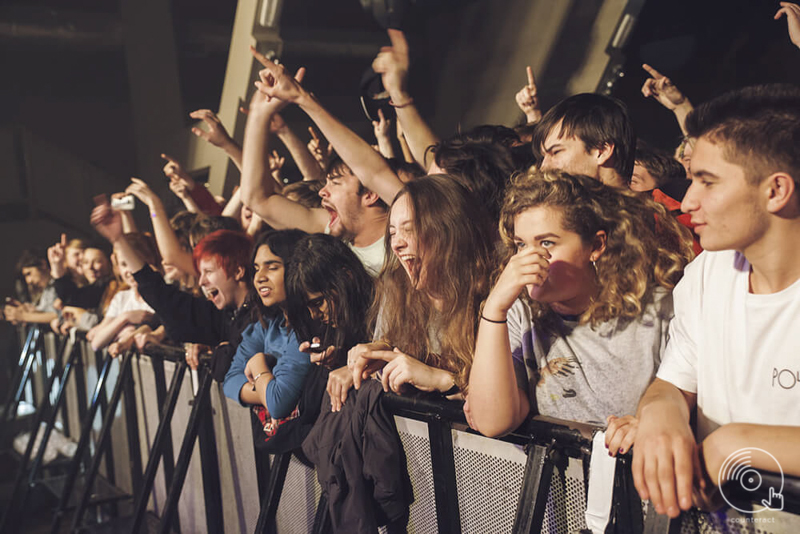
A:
(598, 245)
(604, 153)
(369, 198)
(239, 274)
(779, 189)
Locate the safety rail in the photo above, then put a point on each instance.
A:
(532, 480)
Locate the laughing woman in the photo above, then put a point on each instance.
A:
(594, 278)
(429, 293)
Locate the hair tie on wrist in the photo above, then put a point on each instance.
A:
(153, 214)
(406, 103)
(492, 320)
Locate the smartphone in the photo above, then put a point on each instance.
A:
(126, 203)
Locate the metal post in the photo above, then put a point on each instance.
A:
(444, 476)
(200, 410)
(102, 447)
(272, 495)
(535, 487)
(160, 443)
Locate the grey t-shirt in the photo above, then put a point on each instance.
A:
(584, 374)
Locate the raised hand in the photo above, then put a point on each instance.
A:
(178, 186)
(381, 127)
(392, 63)
(277, 85)
(56, 257)
(528, 266)
(527, 99)
(216, 134)
(106, 221)
(142, 191)
(277, 124)
(276, 162)
(662, 89)
(321, 153)
(174, 170)
(792, 12)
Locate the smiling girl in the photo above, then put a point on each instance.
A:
(576, 323)
(428, 295)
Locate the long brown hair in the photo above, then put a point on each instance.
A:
(455, 248)
(646, 247)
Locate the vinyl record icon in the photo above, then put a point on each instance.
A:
(737, 471)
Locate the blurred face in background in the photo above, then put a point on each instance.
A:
(95, 265)
(74, 257)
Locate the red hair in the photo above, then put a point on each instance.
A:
(230, 248)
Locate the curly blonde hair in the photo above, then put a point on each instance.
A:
(646, 247)
(455, 245)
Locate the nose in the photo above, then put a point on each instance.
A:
(316, 315)
(202, 280)
(547, 163)
(324, 192)
(690, 202)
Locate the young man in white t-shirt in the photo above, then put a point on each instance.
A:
(734, 340)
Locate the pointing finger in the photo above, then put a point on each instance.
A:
(63, 240)
(653, 72)
(313, 133)
(399, 43)
(169, 158)
(531, 79)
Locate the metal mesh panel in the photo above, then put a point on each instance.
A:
(566, 502)
(489, 479)
(299, 499)
(414, 436)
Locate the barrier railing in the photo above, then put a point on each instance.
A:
(533, 480)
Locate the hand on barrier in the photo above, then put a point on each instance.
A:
(137, 317)
(666, 463)
(662, 89)
(13, 311)
(192, 351)
(403, 369)
(361, 362)
(257, 365)
(528, 100)
(468, 413)
(216, 134)
(620, 434)
(339, 383)
(792, 12)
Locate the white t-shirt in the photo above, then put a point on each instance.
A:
(738, 351)
(371, 256)
(125, 301)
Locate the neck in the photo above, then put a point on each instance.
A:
(610, 177)
(372, 228)
(580, 303)
(775, 258)
(241, 295)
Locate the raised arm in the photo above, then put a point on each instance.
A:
(792, 12)
(369, 167)
(382, 127)
(392, 63)
(667, 94)
(497, 403)
(168, 244)
(258, 186)
(528, 101)
(217, 135)
(304, 160)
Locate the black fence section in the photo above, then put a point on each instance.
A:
(159, 449)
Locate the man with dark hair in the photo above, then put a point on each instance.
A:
(34, 269)
(588, 134)
(733, 343)
(655, 169)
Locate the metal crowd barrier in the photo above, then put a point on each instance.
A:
(183, 455)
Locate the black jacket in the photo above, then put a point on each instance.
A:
(190, 319)
(360, 462)
(86, 297)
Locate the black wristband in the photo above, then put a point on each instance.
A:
(452, 391)
(492, 320)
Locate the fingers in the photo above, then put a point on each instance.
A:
(300, 74)
(313, 133)
(685, 462)
(64, 240)
(651, 71)
(531, 79)
(261, 58)
(399, 42)
(169, 159)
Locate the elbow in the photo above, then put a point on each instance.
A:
(493, 427)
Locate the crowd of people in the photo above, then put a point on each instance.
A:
(560, 268)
